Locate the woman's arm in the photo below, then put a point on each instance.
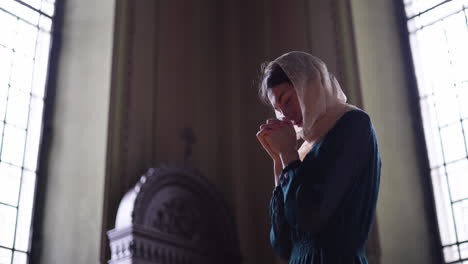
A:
(313, 189)
(280, 233)
(280, 230)
(280, 237)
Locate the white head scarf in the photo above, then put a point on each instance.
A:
(320, 96)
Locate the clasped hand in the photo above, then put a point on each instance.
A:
(278, 138)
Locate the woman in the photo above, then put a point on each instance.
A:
(324, 201)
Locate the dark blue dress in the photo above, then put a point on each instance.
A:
(324, 207)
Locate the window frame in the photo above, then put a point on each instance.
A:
(44, 139)
(415, 99)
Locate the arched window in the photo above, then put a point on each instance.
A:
(438, 32)
(25, 41)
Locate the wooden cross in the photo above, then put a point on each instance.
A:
(188, 136)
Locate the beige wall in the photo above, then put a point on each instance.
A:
(70, 231)
(403, 227)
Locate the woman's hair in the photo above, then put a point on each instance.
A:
(271, 75)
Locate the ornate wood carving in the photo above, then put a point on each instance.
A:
(173, 215)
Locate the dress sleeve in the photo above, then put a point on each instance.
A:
(280, 238)
(314, 188)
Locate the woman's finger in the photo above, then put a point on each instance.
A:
(261, 138)
(273, 121)
(270, 126)
(261, 135)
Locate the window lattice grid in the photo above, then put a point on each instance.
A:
(25, 36)
(439, 39)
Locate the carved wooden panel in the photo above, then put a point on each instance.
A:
(173, 215)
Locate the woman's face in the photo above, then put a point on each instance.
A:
(284, 99)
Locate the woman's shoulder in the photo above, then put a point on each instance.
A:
(355, 119)
(354, 127)
(356, 114)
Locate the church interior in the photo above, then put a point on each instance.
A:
(145, 98)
